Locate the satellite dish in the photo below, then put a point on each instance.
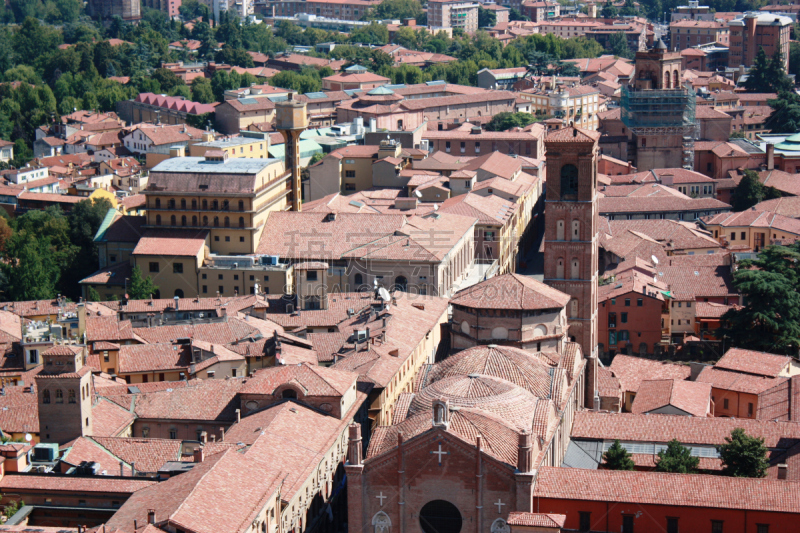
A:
(436, 207)
(417, 194)
(28, 437)
(384, 294)
(654, 258)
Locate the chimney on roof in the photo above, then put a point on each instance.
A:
(121, 469)
(524, 452)
(770, 156)
(198, 455)
(222, 434)
(782, 471)
(133, 469)
(204, 437)
(354, 449)
(238, 415)
(151, 516)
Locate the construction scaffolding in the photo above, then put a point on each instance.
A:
(663, 112)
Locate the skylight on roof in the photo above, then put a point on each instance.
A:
(314, 96)
(436, 82)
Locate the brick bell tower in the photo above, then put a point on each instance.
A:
(571, 244)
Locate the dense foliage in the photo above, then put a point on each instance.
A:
(751, 191)
(677, 459)
(769, 321)
(743, 455)
(617, 458)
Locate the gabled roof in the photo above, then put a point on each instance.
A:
(314, 380)
(511, 291)
(753, 362)
(692, 398)
(572, 134)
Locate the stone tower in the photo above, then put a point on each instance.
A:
(64, 394)
(291, 119)
(571, 244)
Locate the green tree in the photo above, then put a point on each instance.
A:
(505, 121)
(486, 18)
(167, 79)
(617, 458)
(373, 33)
(22, 153)
(618, 45)
(140, 288)
(301, 83)
(767, 75)
(751, 191)
(202, 91)
(677, 459)
(785, 117)
(30, 273)
(794, 58)
(92, 295)
(743, 455)
(769, 321)
(395, 9)
(84, 221)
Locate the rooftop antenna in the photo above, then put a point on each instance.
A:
(384, 294)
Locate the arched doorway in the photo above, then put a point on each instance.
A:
(440, 516)
(401, 283)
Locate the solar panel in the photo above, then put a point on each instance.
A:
(356, 204)
(278, 98)
(314, 96)
(351, 92)
(437, 82)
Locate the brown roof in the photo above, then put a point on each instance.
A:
(536, 519)
(572, 134)
(55, 484)
(510, 291)
(135, 358)
(315, 380)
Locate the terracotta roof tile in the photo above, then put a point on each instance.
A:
(736, 381)
(693, 398)
(753, 362)
(510, 291)
(518, 518)
(173, 243)
(690, 490)
(315, 380)
(12, 482)
(631, 371)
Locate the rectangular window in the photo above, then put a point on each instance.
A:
(762, 528)
(173, 433)
(743, 235)
(750, 409)
(584, 521)
(349, 173)
(623, 317)
(672, 525)
(725, 403)
(627, 302)
(153, 266)
(311, 275)
(221, 289)
(716, 526)
(639, 302)
(227, 238)
(627, 523)
(447, 147)
(349, 186)
(177, 268)
(205, 289)
(204, 276)
(733, 235)
(105, 356)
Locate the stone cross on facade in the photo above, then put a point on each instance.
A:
(440, 453)
(499, 503)
(381, 497)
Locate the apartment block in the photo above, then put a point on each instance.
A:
(454, 14)
(758, 30)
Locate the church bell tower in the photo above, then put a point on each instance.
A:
(571, 243)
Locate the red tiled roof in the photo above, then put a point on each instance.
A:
(572, 134)
(693, 398)
(109, 419)
(171, 243)
(315, 380)
(753, 362)
(174, 103)
(147, 455)
(631, 371)
(536, 519)
(736, 381)
(55, 484)
(510, 291)
(153, 358)
(684, 490)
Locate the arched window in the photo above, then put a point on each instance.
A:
(71, 396)
(194, 221)
(59, 396)
(573, 308)
(290, 394)
(205, 204)
(179, 293)
(440, 516)
(574, 271)
(576, 230)
(194, 203)
(215, 205)
(183, 220)
(205, 221)
(158, 220)
(560, 230)
(241, 222)
(569, 182)
(359, 280)
(241, 205)
(183, 203)
(225, 205)
(227, 222)
(560, 269)
(216, 222)
(676, 79)
(158, 203)
(173, 220)
(667, 80)
(400, 283)
(46, 396)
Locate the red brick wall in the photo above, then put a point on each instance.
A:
(643, 325)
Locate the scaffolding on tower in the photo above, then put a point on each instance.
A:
(663, 112)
